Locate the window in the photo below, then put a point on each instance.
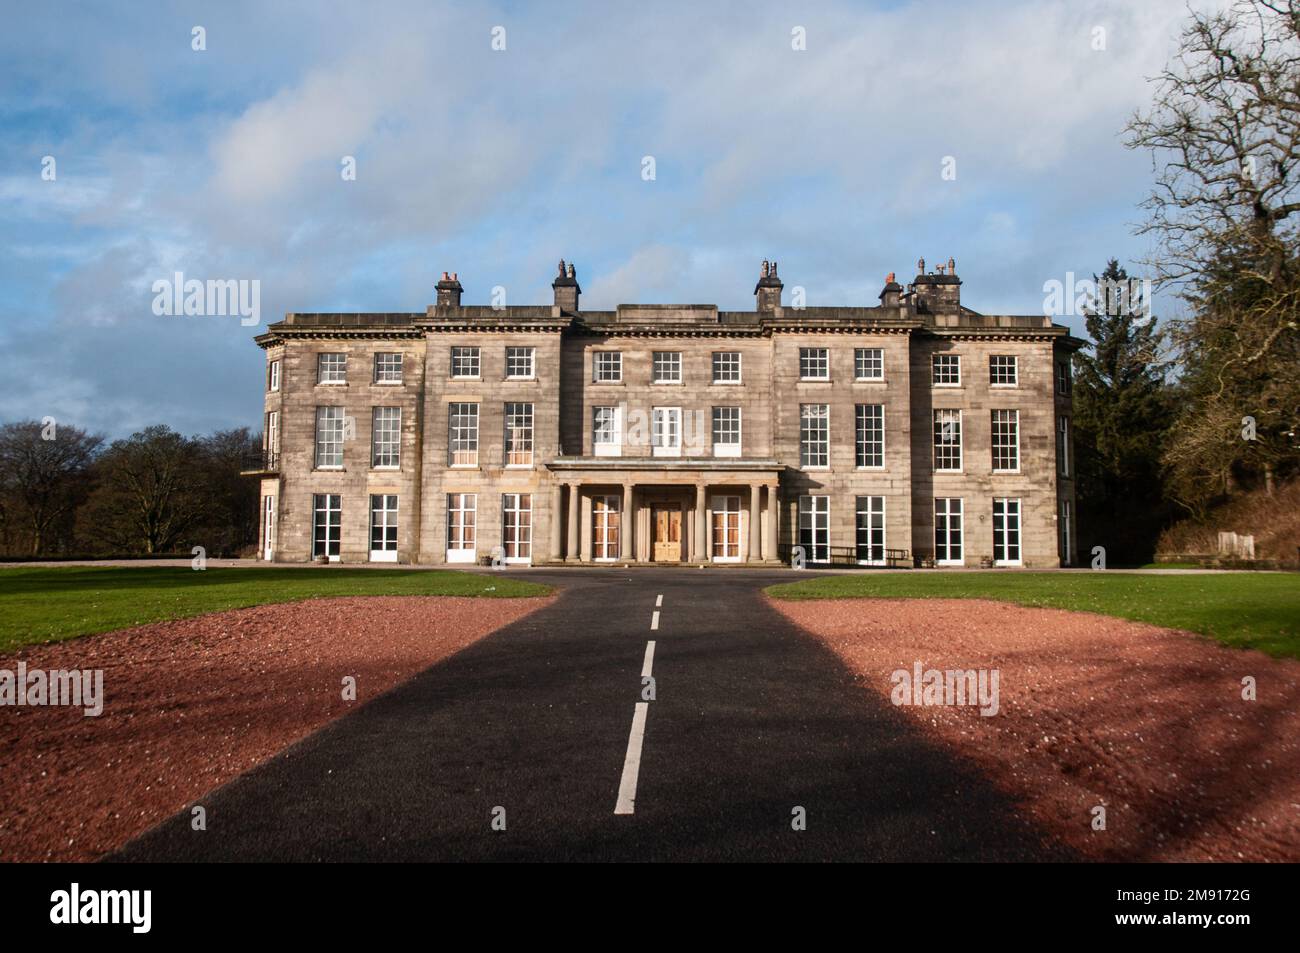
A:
(386, 437)
(1003, 370)
(271, 438)
(870, 435)
(815, 528)
(388, 368)
(517, 527)
(605, 527)
(519, 435)
(871, 530)
(268, 528)
(814, 364)
(947, 531)
(666, 432)
(726, 431)
(726, 367)
(521, 363)
(868, 364)
(607, 367)
(606, 433)
(383, 527)
(331, 368)
(667, 367)
(726, 529)
(465, 362)
(1064, 384)
(1063, 445)
(461, 526)
(1005, 440)
(946, 370)
(327, 525)
(273, 376)
(947, 439)
(814, 435)
(330, 429)
(462, 435)
(1067, 555)
(1006, 532)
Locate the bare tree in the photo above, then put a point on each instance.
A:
(44, 473)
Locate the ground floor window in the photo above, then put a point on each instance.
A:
(726, 528)
(1006, 532)
(462, 510)
(517, 527)
(268, 527)
(383, 527)
(948, 531)
(327, 509)
(606, 526)
(871, 530)
(1067, 557)
(815, 528)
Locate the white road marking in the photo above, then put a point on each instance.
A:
(659, 600)
(654, 622)
(649, 659)
(632, 763)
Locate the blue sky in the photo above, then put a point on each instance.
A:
(225, 164)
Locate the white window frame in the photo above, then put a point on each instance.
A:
(666, 367)
(1064, 378)
(330, 506)
(873, 508)
(724, 513)
(869, 436)
(1067, 558)
(271, 438)
(945, 370)
(947, 423)
(1005, 374)
(727, 367)
(606, 527)
(273, 376)
(462, 527)
(1007, 536)
(946, 553)
(666, 432)
(388, 367)
(870, 359)
(518, 434)
(1063, 445)
(811, 359)
(814, 439)
(727, 424)
(462, 437)
(331, 432)
(331, 368)
(517, 533)
(521, 363)
(607, 367)
(465, 357)
(268, 527)
(383, 518)
(815, 527)
(1004, 440)
(386, 438)
(607, 441)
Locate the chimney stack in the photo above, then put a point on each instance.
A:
(890, 294)
(566, 288)
(938, 292)
(449, 290)
(767, 292)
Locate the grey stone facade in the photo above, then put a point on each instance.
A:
(669, 479)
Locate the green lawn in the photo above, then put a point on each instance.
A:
(44, 604)
(1249, 610)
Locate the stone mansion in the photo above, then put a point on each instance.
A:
(912, 432)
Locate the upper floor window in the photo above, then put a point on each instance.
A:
(386, 437)
(330, 429)
(1003, 370)
(273, 376)
(947, 440)
(521, 363)
(331, 368)
(462, 434)
(870, 435)
(726, 431)
(667, 367)
(388, 368)
(1063, 445)
(814, 364)
(606, 434)
(607, 367)
(666, 431)
(1005, 440)
(946, 370)
(465, 362)
(814, 435)
(869, 364)
(1064, 383)
(519, 435)
(271, 435)
(726, 367)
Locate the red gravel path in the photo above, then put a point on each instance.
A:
(193, 703)
(1148, 722)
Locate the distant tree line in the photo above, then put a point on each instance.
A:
(65, 491)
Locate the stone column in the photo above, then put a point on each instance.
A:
(571, 550)
(557, 514)
(773, 520)
(701, 553)
(625, 524)
(754, 524)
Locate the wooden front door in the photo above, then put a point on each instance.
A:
(667, 519)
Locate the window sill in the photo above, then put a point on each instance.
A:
(868, 380)
(869, 469)
(1006, 472)
(665, 383)
(727, 383)
(386, 469)
(1004, 386)
(814, 380)
(331, 383)
(329, 469)
(618, 383)
(814, 469)
(951, 472)
(519, 379)
(387, 383)
(465, 380)
(948, 386)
